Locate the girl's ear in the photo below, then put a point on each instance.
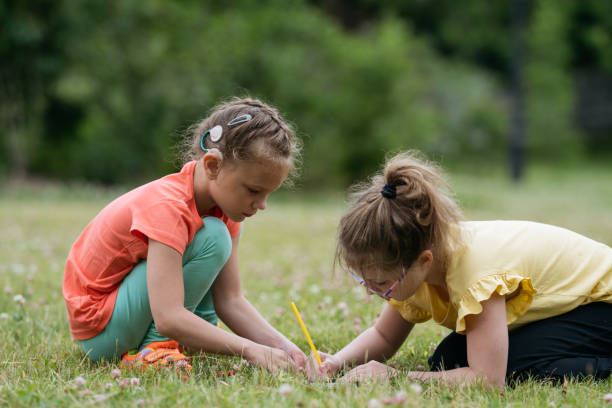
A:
(425, 258)
(213, 161)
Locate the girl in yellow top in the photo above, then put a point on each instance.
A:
(523, 299)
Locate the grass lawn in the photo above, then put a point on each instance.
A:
(285, 255)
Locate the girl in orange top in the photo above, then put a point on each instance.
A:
(157, 266)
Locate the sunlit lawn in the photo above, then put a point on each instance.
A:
(285, 255)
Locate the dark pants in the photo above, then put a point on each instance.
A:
(575, 344)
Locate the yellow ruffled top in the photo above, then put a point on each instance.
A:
(542, 270)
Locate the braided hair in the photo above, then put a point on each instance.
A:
(265, 136)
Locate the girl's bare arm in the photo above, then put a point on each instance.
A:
(240, 316)
(166, 296)
(487, 347)
(379, 342)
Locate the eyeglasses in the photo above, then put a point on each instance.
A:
(384, 295)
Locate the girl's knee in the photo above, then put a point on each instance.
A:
(213, 239)
(112, 342)
(95, 353)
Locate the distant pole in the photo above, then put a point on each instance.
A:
(517, 91)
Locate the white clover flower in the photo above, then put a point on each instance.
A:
(79, 381)
(401, 397)
(116, 373)
(19, 299)
(314, 289)
(3, 316)
(285, 390)
(608, 397)
(374, 403)
(416, 388)
(100, 397)
(18, 269)
(134, 381)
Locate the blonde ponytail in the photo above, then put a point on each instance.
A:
(397, 215)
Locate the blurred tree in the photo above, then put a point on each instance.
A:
(32, 57)
(99, 90)
(591, 34)
(552, 132)
(517, 88)
(471, 30)
(118, 50)
(560, 38)
(591, 41)
(137, 73)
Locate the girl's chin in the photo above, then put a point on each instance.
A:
(399, 298)
(236, 218)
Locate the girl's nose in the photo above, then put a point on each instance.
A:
(261, 204)
(371, 287)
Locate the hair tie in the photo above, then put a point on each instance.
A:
(388, 191)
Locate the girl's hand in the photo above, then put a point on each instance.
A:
(372, 370)
(270, 358)
(330, 365)
(297, 356)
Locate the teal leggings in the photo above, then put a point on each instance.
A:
(132, 325)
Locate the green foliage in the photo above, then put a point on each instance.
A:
(108, 86)
(141, 72)
(591, 38)
(31, 58)
(550, 95)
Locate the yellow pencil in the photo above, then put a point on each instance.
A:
(312, 347)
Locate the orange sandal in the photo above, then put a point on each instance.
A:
(157, 354)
